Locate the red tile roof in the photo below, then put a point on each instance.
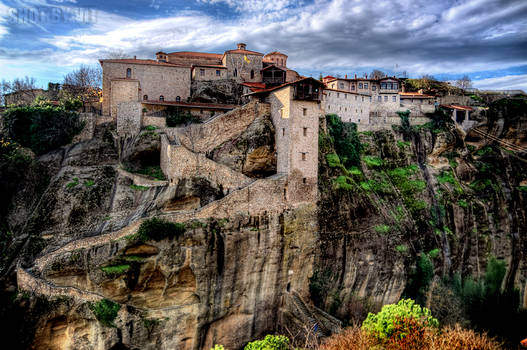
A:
(193, 54)
(140, 61)
(275, 53)
(254, 84)
(286, 84)
(190, 104)
(244, 52)
(457, 107)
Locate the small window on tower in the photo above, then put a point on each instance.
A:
(252, 74)
(303, 156)
(202, 72)
(305, 131)
(218, 72)
(129, 73)
(145, 97)
(161, 98)
(235, 72)
(283, 131)
(178, 98)
(304, 111)
(304, 180)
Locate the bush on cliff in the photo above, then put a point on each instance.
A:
(346, 140)
(270, 342)
(177, 117)
(399, 319)
(42, 128)
(105, 311)
(158, 229)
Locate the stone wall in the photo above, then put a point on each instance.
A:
(129, 118)
(160, 122)
(208, 73)
(154, 81)
(236, 61)
(122, 91)
(177, 162)
(384, 123)
(30, 283)
(205, 137)
(89, 127)
(350, 107)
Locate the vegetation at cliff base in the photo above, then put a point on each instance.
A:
(157, 229)
(105, 311)
(345, 139)
(42, 128)
(270, 342)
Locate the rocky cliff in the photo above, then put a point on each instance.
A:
(235, 271)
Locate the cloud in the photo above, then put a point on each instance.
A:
(508, 82)
(419, 36)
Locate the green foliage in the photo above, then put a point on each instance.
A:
(403, 144)
(177, 117)
(403, 248)
(105, 311)
(158, 229)
(217, 347)
(42, 128)
(462, 203)
(485, 151)
(434, 253)
(345, 183)
(383, 324)
(420, 277)
(346, 140)
(477, 98)
(382, 229)
(270, 342)
(373, 162)
(355, 171)
(333, 160)
(375, 186)
(319, 284)
(150, 127)
(89, 183)
(440, 121)
(138, 188)
(73, 183)
(153, 171)
(115, 270)
(405, 120)
(522, 188)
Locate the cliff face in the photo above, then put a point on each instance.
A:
(229, 280)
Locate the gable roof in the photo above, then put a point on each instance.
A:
(272, 66)
(287, 84)
(244, 52)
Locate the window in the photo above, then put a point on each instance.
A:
(374, 88)
(304, 111)
(360, 85)
(252, 74)
(383, 86)
(338, 94)
(145, 97)
(161, 98)
(345, 109)
(128, 73)
(303, 156)
(218, 72)
(385, 98)
(305, 131)
(235, 72)
(365, 85)
(355, 97)
(202, 72)
(283, 131)
(345, 96)
(352, 87)
(329, 107)
(341, 85)
(362, 98)
(304, 180)
(394, 98)
(379, 99)
(178, 99)
(395, 87)
(370, 98)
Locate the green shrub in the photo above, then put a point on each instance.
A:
(217, 347)
(345, 183)
(382, 229)
(105, 311)
(462, 203)
(333, 160)
(150, 127)
(434, 253)
(403, 248)
(115, 270)
(42, 128)
(89, 183)
(383, 324)
(405, 120)
(373, 162)
(138, 188)
(270, 342)
(158, 229)
(346, 140)
(446, 177)
(153, 171)
(355, 171)
(522, 188)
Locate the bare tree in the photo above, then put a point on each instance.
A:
(83, 83)
(24, 90)
(377, 74)
(115, 54)
(464, 82)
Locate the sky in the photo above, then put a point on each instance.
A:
(485, 39)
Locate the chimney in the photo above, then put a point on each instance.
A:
(135, 57)
(355, 76)
(346, 76)
(241, 46)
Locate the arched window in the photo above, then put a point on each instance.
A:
(235, 72)
(178, 98)
(145, 97)
(128, 72)
(161, 98)
(252, 74)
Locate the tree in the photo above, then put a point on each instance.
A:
(377, 74)
(115, 54)
(83, 83)
(25, 88)
(464, 82)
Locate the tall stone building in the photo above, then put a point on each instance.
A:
(167, 80)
